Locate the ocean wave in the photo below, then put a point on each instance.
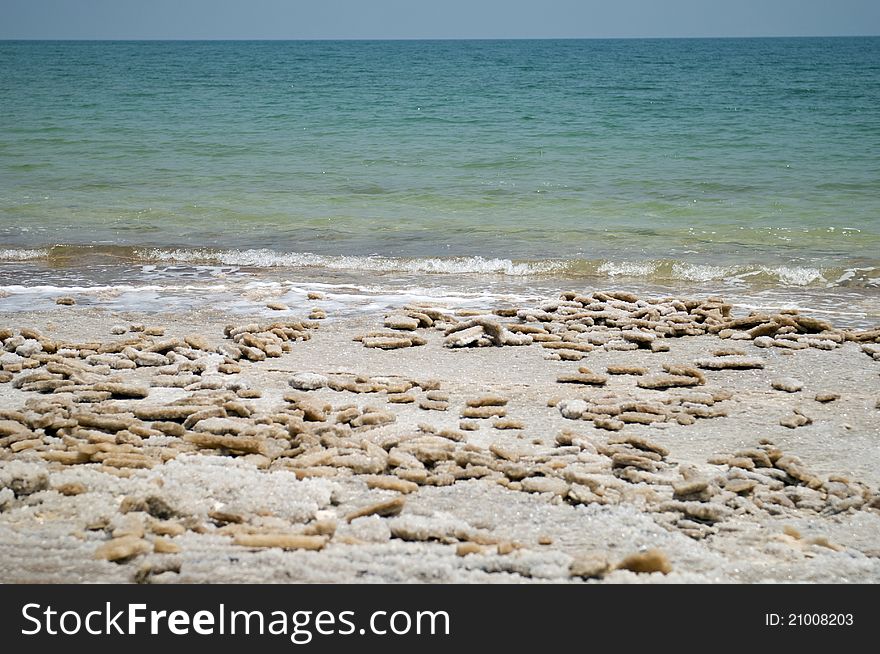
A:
(660, 270)
(438, 265)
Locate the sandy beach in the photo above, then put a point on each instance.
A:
(591, 437)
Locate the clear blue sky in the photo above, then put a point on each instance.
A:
(394, 19)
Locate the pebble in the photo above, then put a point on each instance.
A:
(827, 397)
(65, 301)
(277, 306)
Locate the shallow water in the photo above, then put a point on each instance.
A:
(735, 165)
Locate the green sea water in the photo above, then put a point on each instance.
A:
(693, 161)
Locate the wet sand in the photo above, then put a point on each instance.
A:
(587, 438)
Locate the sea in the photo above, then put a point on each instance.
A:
(165, 175)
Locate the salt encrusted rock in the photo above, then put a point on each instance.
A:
(389, 482)
(277, 306)
(123, 548)
(308, 381)
(684, 371)
(483, 331)
(65, 301)
(483, 412)
(433, 405)
(388, 342)
(652, 560)
(586, 378)
(509, 423)
(573, 409)
(729, 363)
(387, 508)
(825, 397)
(664, 381)
(545, 485)
(469, 425)
(795, 420)
(642, 339)
(282, 541)
(624, 369)
(401, 321)
(787, 384)
(487, 400)
(23, 478)
(589, 565)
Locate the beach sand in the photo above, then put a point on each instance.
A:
(738, 473)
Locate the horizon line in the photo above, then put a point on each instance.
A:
(453, 38)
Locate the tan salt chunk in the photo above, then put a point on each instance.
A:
(609, 424)
(586, 378)
(652, 560)
(482, 412)
(123, 548)
(729, 363)
(374, 419)
(167, 528)
(432, 405)
(392, 483)
(122, 390)
(509, 423)
(639, 442)
(281, 541)
(625, 369)
(589, 565)
(503, 452)
(464, 549)
(386, 508)
(165, 546)
(664, 381)
(787, 384)
(71, 488)
(487, 401)
(544, 485)
(685, 371)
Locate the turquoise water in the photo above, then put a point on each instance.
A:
(691, 160)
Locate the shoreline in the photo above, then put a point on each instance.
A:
(585, 468)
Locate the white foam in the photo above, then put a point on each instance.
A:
(264, 258)
(22, 254)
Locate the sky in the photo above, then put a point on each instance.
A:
(427, 19)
